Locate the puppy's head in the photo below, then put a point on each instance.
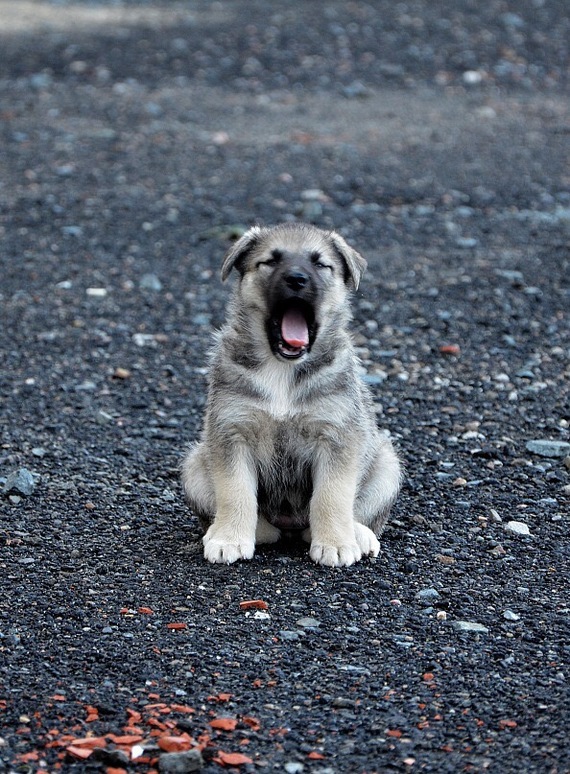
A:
(295, 276)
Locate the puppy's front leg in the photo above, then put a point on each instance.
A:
(334, 541)
(232, 533)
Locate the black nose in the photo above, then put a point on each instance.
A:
(296, 279)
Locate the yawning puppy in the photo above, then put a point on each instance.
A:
(290, 440)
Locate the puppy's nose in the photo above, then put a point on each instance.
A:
(296, 278)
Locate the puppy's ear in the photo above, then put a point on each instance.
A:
(354, 263)
(239, 252)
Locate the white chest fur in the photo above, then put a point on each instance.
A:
(276, 381)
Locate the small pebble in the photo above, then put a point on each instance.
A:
(313, 195)
(121, 373)
(291, 767)
(308, 623)
(428, 595)
(150, 282)
(518, 527)
(469, 626)
(201, 319)
(96, 292)
(75, 231)
(287, 634)
(111, 758)
(356, 90)
(180, 762)
(467, 243)
(40, 81)
(508, 615)
(472, 77)
(342, 702)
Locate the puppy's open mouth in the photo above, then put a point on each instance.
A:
(292, 328)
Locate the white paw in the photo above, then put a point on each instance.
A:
(367, 540)
(220, 550)
(335, 556)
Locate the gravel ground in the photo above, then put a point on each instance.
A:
(137, 140)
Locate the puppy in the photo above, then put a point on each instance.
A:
(290, 439)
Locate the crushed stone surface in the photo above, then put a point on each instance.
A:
(138, 140)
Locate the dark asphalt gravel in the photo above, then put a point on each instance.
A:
(137, 139)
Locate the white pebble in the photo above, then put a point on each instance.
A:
(518, 527)
(472, 77)
(96, 292)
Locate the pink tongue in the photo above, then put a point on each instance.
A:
(294, 329)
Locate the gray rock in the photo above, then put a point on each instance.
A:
(546, 448)
(376, 378)
(508, 615)
(467, 243)
(518, 527)
(86, 386)
(512, 20)
(292, 767)
(308, 623)
(150, 282)
(41, 81)
(313, 195)
(342, 702)
(201, 319)
(180, 762)
(357, 670)
(428, 595)
(516, 277)
(356, 90)
(286, 634)
(110, 757)
(470, 626)
(74, 231)
(20, 482)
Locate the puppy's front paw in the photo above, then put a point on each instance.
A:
(335, 556)
(221, 550)
(367, 540)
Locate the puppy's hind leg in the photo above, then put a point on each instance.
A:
(198, 486)
(266, 532)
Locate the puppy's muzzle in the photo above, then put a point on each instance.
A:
(291, 328)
